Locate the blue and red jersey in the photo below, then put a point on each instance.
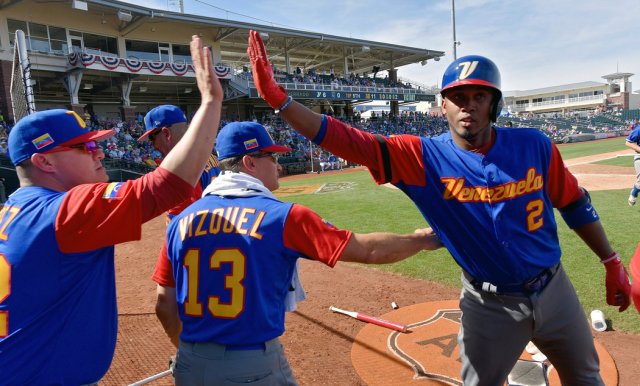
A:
(58, 314)
(492, 211)
(634, 137)
(233, 261)
(210, 172)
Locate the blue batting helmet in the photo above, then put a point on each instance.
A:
(474, 70)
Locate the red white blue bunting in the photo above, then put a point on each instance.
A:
(135, 65)
(221, 70)
(156, 67)
(180, 68)
(73, 58)
(88, 59)
(110, 62)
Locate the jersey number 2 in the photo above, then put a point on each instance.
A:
(232, 282)
(534, 220)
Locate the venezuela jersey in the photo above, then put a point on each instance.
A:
(233, 259)
(493, 211)
(210, 172)
(58, 314)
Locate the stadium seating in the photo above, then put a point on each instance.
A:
(124, 152)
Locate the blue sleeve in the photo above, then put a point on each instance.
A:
(322, 132)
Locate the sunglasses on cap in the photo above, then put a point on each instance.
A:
(88, 147)
(274, 156)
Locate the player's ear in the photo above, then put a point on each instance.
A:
(249, 163)
(42, 162)
(166, 131)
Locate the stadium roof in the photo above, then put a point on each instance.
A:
(310, 50)
(618, 75)
(553, 89)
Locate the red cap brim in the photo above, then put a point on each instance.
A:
(97, 136)
(276, 149)
(469, 82)
(144, 135)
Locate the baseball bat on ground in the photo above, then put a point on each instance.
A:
(152, 378)
(371, 319)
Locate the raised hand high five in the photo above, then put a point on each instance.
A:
(208, 82)
(270, 91)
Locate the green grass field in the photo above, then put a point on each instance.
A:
(368, 207)
(582, 149)
(618, 161)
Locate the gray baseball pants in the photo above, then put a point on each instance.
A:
(213, 364)
(496, 328)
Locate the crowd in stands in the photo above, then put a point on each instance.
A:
(125, 147)
(558, 126)
(415, 123)
(4, 134)
(311, 76)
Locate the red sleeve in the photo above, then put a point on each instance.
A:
(196, 193)
(634, 267)
(93, 216)
(306, 232)
(163, 274)
(407, 165)
(562, 186)
(405, 152)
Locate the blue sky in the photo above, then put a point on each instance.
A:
(535, 43)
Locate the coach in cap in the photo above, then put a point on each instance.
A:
(165, 126)
(58, 314)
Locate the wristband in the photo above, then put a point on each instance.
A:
(614, 256)
(286, 104)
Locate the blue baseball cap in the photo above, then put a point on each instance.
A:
(471, 70)
(161, 116)
(240, 138)
(44, 130)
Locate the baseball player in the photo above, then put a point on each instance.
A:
(58, 314)
(633, 142)
(232, 255)
(493, 214)
(165, 125)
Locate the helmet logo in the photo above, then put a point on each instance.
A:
(77, 117)
(467, 69)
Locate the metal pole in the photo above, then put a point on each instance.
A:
(311, 154)
(453, 23)
(152, 378)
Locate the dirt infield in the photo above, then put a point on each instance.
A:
(429, 352)
(318, 343)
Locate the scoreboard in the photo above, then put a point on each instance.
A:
(352, 95)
